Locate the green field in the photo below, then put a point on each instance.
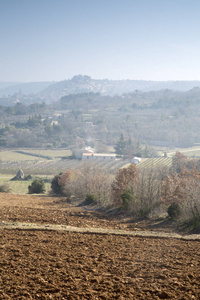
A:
(54, 154)
(32, 154)
(18, 187)
(14, 156)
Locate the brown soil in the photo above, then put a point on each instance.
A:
(49, 210)
(47, 264)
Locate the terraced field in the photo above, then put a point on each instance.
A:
(55, 166)
(155, 162)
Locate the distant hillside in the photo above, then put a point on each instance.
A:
(84, 84)
(162, 99)
(11, 88)
(4, 85)
(79, 84)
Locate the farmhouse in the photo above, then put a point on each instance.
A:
(98, 156)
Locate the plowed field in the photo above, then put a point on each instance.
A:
(51, 264)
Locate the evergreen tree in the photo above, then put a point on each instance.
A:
(121, 145)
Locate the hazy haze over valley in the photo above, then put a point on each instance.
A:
(84, 84)
(139, 66)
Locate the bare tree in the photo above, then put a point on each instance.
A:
(148, 189)
(90, 179)
(183, 189)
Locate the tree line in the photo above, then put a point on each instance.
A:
(171, 191)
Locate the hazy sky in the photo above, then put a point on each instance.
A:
(45, 40)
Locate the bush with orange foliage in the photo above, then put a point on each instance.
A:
(125, 179)
(59, 182)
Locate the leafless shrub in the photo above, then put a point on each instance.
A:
(184, 189)
(148, 190)
(90, 179)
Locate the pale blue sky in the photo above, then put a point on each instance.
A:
(45, 40)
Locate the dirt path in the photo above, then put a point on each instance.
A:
(47, 213)
(184, 150)
(139, 233)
